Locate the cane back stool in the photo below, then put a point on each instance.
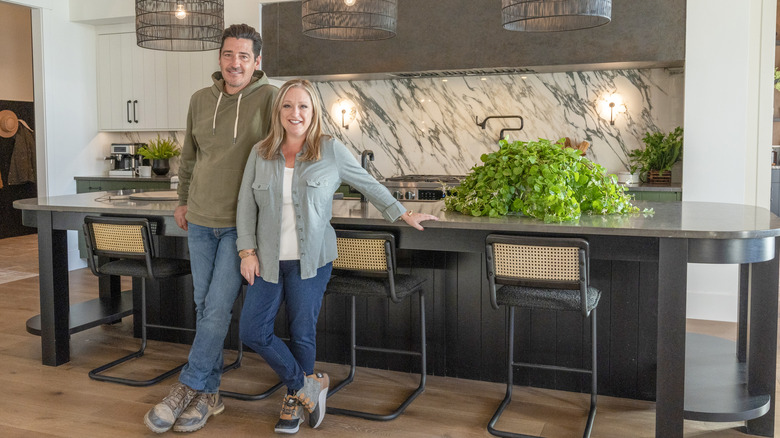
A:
(123, 246)
(366, 267)
(541, 273)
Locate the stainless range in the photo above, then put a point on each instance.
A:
(421, 187)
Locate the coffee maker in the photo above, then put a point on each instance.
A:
(124, 159)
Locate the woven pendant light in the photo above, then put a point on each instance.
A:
(554, 15)
(349, 20)
(179, 26)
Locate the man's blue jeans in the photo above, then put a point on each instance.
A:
(303, 299)
(216, 280)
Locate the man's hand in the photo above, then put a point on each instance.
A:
(180, 215)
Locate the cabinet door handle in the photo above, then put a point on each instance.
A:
(128, 112)
(135, 111)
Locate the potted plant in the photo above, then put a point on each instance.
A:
(777, 79)
(656, 159)
(159, 152)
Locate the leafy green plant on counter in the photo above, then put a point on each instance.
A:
(160, 149)
(540, 179)
(660, 153)
(777, 79)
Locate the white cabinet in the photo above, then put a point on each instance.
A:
(147, 90)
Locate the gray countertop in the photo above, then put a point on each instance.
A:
(651, 188)
(123, 178)
(701, 220)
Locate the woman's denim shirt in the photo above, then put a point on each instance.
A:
(259, 213)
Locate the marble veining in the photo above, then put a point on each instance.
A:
(428, 126)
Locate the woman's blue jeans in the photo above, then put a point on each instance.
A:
(216, 281)
(303, 299)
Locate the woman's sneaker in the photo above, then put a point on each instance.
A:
(291, 416)
(313, 395)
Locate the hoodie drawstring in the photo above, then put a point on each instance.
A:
(235, 125)
(214, 122)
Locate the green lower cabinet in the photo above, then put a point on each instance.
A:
(99, 185)
(662, 196)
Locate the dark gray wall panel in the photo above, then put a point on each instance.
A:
(467, 34)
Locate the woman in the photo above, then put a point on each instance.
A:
(287, 245)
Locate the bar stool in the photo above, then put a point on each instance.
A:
(123, 246)
(541, 273)
(366, 267)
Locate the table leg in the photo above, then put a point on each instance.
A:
(670, 385)
(54, 291)
(742, 311)
(762, 333)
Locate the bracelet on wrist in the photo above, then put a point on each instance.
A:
(244, 253)
(409, 213)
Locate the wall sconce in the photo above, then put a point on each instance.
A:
(611, 106)
(344, 110)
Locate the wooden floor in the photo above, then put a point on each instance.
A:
(41, 401)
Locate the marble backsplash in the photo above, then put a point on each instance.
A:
(428, 125)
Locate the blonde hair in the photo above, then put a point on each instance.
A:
(269, 147)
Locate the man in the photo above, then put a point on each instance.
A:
(224, 122)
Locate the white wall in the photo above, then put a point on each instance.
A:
(728, 114)
(65, 99)
(16, 68)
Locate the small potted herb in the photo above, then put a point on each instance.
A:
(777, 79)
(656, 159)
(159, 152)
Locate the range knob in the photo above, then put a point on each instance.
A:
(398, 195)
(410, 195)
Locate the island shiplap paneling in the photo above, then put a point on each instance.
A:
(465, 335)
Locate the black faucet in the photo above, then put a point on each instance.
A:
(365, 156)
(501, 135)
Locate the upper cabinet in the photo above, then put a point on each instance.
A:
(460, 37)
(147, 90)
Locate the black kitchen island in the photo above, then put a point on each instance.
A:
(639, 262)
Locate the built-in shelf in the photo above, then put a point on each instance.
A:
(716, 382)
(91, 313)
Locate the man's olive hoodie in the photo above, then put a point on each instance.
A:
(221, 130)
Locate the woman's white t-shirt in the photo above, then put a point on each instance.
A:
(288, 246)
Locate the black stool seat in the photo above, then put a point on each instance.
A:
(551, 299)
(161, 268)
(405, 285)
(365, 267)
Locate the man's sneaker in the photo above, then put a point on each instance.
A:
(161, 417)
(313, 395)
(291, 416)
(200, 409)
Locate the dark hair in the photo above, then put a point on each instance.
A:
(244, 31)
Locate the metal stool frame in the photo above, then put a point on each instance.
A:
(389, 274)
(585, 294)
(135, 244)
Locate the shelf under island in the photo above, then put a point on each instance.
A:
(638, 261)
